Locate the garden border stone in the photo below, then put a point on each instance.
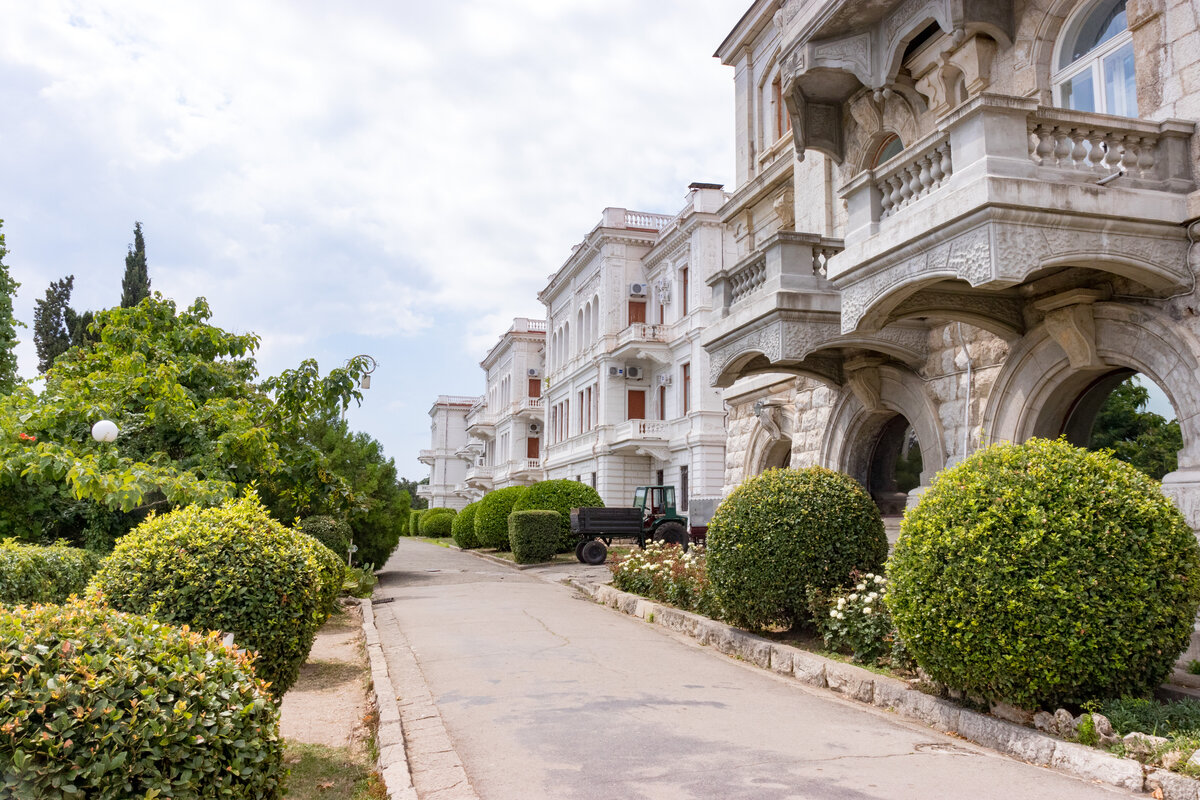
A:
(393, 758)
(857, 683)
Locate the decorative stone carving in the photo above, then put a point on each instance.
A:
(1004, 310)
(1071, 323)
(769, 412)
(785, 208)
(974, 61)
(862, 377)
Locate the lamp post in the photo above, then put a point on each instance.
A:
(365, 381)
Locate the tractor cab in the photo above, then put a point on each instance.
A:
(657, 503)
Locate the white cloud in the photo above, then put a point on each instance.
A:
(390, 176)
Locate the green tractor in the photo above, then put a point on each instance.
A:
(652, 517)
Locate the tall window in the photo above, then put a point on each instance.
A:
(662, 402)
(783, 122)
(1094, 66)
(683, 292)
(686, 388)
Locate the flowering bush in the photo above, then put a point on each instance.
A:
(665, 573)
(855, 620)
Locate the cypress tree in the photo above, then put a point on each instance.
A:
(53, 321)
(135, 285)
(8, 324)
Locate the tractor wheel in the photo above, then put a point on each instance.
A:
(579, 550)
(673, 533)
(593, 552)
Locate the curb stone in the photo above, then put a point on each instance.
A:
(502, 561)
(856, 683)
(393, 759)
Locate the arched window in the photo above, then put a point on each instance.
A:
(1094, 65)
(889, 148)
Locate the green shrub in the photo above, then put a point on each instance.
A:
(491, 518)
(533, 535)
(233, 569)
(414, 520)
(1044, 574)
(34, 574)
(110, 706)
(463, 527)
(786, 532)
(560, 496)
(333, 533)
(437, 521)
(855, 620)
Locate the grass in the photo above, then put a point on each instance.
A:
(440, 541)
(329, 772)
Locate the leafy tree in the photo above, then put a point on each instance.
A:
(411, 487)
(1136, 436)
(135, 285)
(54, 322)
(8, 324)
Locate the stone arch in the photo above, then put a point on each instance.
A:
(1037, 389)
(871, 123)
(854, 428)
(769, 449)
(1045, 32)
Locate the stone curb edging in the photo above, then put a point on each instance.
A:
(501, 561)
(883, 692)
(393, 758)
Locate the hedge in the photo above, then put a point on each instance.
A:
(35, 574)
(1042, 574)
(233, 569)
(329, 531)
(110, 706)
(491, 518)
(463, 527)
(560, 496)
(785, 532)
(533, 535)
(437, 521)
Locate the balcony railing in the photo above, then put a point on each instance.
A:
(642, 332)
(647, 222)
(641, 429)
(528, 464)
(528, 405)
(427, 456)
(787, 261)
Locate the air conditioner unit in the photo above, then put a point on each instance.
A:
(616, 372)
(664, 380)
(637, 290)
(633, 373)
(534, 372)
(535, 428)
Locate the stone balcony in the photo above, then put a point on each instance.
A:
(1007, 190)
(479, 477)
(641, 437)
(427, 457)
(481, 423)
(531, 408)
(642, 341)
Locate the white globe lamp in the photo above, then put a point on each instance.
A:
(105, 431)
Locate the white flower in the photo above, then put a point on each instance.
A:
(861, 586)
(841, 602)
(840, 615)
(880, 579)
(870, 575)
(833, 614)
(867, 610)
(872, 596)
(852, 598)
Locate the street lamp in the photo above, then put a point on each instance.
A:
(365, 381)
(105, 431)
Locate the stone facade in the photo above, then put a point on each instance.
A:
(448, 439)
(940, 245)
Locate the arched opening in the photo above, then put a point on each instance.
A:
(1127, 413)
(1094, 68)
(894, 468)
(778, 455)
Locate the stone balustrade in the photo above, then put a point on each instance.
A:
(649, 222)
(914, 175)
(787, 261)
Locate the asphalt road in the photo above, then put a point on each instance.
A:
(545, 694)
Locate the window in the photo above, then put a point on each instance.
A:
(637, 311)
(635, 404)
(889, 148)
(683, 488)
(662, 402)
(1094, 66)
(783, 122)
(683, 292)
(686, 388)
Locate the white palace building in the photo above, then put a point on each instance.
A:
(954, 222)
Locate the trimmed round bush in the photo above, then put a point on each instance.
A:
(437, 521)
(463, 527)
(1042, 574)
(534, 535)
(560, 496)
(491, 518)
(233, 569)
(414, 518)
(134, 708)
(333, 533)
(785, 532)
(35, 574)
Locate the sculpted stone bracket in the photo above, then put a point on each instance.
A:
(796, 345)
(1001, 254)
(873, 57)
(862, 378)
(769, 413)
(1071, 322)
(660, 452)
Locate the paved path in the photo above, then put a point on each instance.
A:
(543, 694)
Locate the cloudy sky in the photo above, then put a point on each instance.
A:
(392, 178)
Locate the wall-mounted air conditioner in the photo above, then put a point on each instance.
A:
(535, 428)
(637, 290)
(616, 372)
(633, 373)
(664, 380)
(534, 372)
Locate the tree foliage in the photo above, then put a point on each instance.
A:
(8, 324)
(135, 284)
(1137, 436)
